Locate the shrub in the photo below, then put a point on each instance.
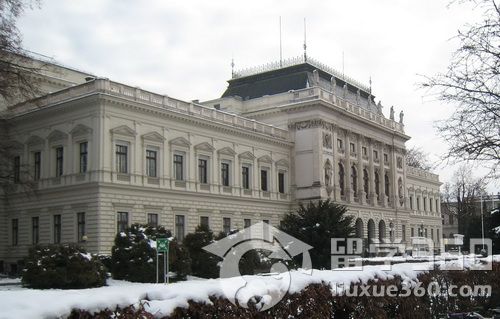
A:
(64, 267)
(133, 257)
(203, 263)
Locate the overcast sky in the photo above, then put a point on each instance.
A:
(184, 48)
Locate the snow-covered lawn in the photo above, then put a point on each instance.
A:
(163, 299)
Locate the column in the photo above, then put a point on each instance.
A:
(347, 169)
(371, 174)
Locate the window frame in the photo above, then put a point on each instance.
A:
(80, 226)
(151, 162)
(153, 219)
(225, 173)
(122, 165)
(180, 227)
(122, 223)
(56, 228)
(35, 230)
(15, 231)
(178, 165)
(203, 164)
(83, 156)
(59, 156)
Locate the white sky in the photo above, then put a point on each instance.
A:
(184, 48)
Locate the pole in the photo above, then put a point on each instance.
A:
(482, 220)
(167, 266)
(157, 264)
(164, 267)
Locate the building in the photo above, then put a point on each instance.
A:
(105, 155)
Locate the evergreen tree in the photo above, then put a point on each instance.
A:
(315, 224)
(133, 257)
(203, 263)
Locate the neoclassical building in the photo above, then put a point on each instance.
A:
(104, 155)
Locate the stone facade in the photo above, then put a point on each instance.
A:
(105, 155)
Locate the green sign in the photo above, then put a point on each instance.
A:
(162, 244)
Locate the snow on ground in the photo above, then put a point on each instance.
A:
(163, 299)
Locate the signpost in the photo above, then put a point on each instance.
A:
(162, 246)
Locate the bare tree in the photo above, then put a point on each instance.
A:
(416, 157)
(472, 84)
(17, 83)
(461, 195)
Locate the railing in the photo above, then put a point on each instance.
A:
(417, 172)
(161, 101)
(297, 61)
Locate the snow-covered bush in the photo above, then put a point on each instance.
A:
(133, 256)
(64, 267)
(203, 263)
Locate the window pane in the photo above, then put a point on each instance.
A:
(34, 230)
(59, 161)
(281, 182)
(83, 157)
(17, 168)
(202, 171)
(179, 227)
(179, 167)
(226, 225)
(204, 221)
(122, 221)
(225, 174)
(245, 177)
(247, 222)
(121, 159)
(37, 157)
(15, 232)
(153, 220)
(151, 163)
(81, 226)
(57, 229)
(263, 180)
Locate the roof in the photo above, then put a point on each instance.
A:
(293, 74)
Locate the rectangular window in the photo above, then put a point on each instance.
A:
(375, 154)
(179, 167)
(266, 221)
(386, 158)
(247, 222)
(430, 205)
(245, 177)
(151, 163)
(281, 182)
(203, 171)
(224, 170)
(204, 221)
(263, 180)
(83, 157)
(425, 233)
(122, 222)
(35, 230)
(353, 148)
(122, 158)
(425, 204)
(17, 168)
(418, 203)
(179, 227)
(412, 232)
(411, 202)
(37, 165)
(432, 233)
(15, 232)
(59, 161)
(153, 220)
(80, 223)
(57, 229)
(450, 219)
(364, 151)
(226, 225)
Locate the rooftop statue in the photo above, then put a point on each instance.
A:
(392, 113)
(401, 115)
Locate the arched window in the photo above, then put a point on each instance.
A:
(377, 185)
(400, 191)
(341, 179)
(365, 182)
(386, 185)
(354, 180)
